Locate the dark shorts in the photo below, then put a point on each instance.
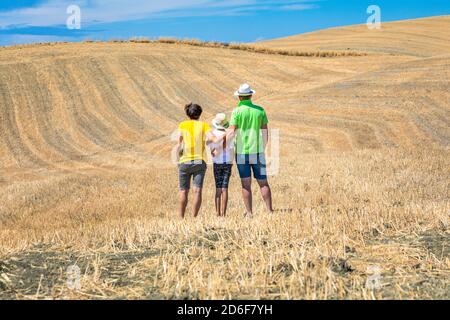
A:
(247, 163)
(222, 175)
(192, 170)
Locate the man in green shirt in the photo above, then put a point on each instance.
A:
(249, 127)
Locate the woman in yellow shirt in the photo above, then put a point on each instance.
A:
(193, 137)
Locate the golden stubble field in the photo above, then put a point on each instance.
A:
(362, 195)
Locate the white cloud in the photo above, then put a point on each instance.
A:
(53, 12)
(299, 7)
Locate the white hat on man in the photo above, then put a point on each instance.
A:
(244, 91)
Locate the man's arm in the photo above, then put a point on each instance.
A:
(265, 135)
(234, 125)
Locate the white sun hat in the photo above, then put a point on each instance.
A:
(244, 91)
(220, 122)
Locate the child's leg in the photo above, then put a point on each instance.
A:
(218, 196)
(224, 201)
(227, 170)
(218, 201)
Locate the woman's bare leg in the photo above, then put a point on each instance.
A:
(183, 201)
(197, 200)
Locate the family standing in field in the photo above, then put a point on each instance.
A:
(242, 140)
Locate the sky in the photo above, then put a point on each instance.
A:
(29, 21)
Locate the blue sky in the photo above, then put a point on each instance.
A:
(27, 21)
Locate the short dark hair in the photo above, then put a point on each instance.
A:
(244, 98)
(193, 111)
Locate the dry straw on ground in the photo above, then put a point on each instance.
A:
(251, 48)
(362, 196)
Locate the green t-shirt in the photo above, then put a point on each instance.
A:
(248, 119)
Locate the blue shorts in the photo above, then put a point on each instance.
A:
(246, 163)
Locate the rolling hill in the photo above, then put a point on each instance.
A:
(418, 38)
(86, 171)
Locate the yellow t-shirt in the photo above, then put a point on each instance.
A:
(194, 139)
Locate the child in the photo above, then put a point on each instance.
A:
(194, 134)
(222, 153)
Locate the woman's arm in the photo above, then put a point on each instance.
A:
(179, 147)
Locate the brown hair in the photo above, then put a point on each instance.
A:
(244, 98)
(193, 111)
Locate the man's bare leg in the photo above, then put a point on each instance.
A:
(197, 200)
(266, 193)
(247, 194)
(183, 201)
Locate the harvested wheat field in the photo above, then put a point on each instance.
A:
(362, 195)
